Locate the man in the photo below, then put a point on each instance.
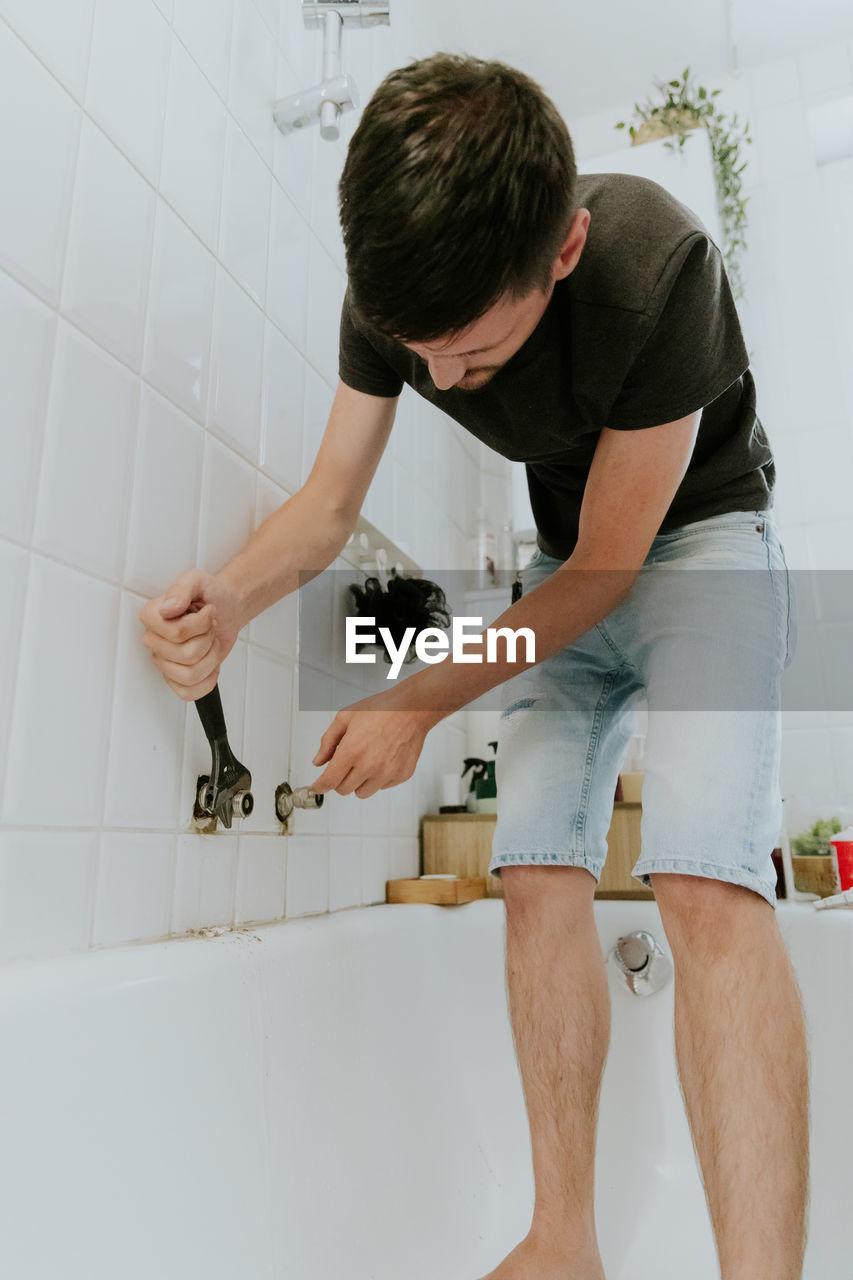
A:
(584, 325)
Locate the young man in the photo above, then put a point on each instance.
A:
(586, 326)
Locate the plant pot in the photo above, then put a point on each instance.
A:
(664, 126)
(815, 873)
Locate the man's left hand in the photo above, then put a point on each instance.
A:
(370, 745)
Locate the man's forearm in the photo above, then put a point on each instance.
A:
(301, 536)
(563, 608)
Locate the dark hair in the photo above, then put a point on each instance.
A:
(458, 188)
(406, 602)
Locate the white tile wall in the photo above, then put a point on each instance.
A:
(171, 274)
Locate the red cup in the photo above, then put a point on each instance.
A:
(844, 850)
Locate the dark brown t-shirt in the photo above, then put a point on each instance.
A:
(644, 331)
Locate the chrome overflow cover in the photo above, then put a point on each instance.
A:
(642, 962)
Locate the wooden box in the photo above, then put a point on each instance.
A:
(461, 844)
(443, 893)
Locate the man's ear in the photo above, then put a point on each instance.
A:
(570, 252)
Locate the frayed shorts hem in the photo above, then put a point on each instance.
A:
(539, 858)
(708, 870)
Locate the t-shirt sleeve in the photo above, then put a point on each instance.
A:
(360, 365)
(694, 348)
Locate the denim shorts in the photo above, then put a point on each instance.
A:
(706, 652)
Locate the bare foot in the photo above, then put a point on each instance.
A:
(533, 1260)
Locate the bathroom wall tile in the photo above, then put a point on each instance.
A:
(193, 147)
(376, 815)
(236, 365)
(276, 628)
(344, 872)
(204, 28)
(166, 488)
(14, 563)
(81, 515)
(227, 506)
(376, 865)
(180, 314)
(27, 339)
(244, 228)
(325, 295)
(108, 260)
(269, 11)
(307, 890)
(205, 882)
(128, 76)
(300, 47)
(782, 139)
(774, 83)
(267, 735)
(57, 748)
(147, 737)
(287, 279)
(318, 405)
(403, 858)
(825, 70)
(283, 407)
(59, 33)
(293, 153)
(134, 894)
(328, 165)
(47, 883)
(254, 70)
(261, 868)
(39, 132)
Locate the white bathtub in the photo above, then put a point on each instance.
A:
(338, 1097)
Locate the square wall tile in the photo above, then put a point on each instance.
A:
(59, 33)
(180, 315)
(193, 147)
(27, 339)
(204, 28)
(825, 70)
(307, 891)
(375, 864)
(39, 132)
(134, 896)
(147, 737)
(166, 491)
(58, 743)
(244, 227)
(282, 411)
(277, 627)
(227, 506)
(47, 884)
(205, 881)
(325, 295)
(293, 153)
(775, 82)
(85, 483)
(128, 78)
(254, 58)
(14, 563)
(344, 872)
(261, 866)
(328, 166)
(287, 279)
(236, 365)
(267, 735)
(108, 261)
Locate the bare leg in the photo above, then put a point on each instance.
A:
(560, 1012)
(743, 1063)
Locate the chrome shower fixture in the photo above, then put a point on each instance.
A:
(337, 92)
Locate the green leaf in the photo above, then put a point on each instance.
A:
(675, 83)
(703, 93)
(620, 125)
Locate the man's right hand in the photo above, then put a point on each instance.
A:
(190, 629)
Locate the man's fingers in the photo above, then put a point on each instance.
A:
(187, 677)
(192, 692)
(183, 591)
(188, 654)
(329, 742)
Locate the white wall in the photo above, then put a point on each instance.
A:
(170, 279)
(797, 321)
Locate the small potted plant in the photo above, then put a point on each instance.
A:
(813, 861)
(685, 106)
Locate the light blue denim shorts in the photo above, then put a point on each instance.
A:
(706, 652)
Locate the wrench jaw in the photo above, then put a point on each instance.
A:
(226, 793)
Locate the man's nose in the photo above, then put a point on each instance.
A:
(446, 371)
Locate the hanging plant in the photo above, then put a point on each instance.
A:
(686, 106)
